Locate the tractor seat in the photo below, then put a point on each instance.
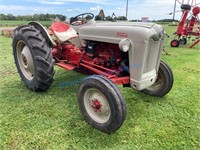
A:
(63, 31)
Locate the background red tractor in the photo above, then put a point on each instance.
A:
(189, 24)
(114, 53)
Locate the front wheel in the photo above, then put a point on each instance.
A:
(163, 83)
(101, 103)
(174, 43)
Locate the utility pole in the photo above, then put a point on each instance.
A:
(127, 9)
(174, 10)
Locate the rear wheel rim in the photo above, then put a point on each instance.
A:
(25, 60)
(96, 105)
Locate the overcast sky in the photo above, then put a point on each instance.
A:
(154, 9)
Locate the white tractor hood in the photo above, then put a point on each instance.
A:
(113, 32)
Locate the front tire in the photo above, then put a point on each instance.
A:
(163, 83)
(174, 43)
(33, 58)
(101, 103)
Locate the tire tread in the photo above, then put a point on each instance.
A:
(41, 53)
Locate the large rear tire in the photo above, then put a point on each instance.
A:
(33, 58)
(163, 83)
(101, 103)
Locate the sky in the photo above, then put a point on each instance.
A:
(154, 9)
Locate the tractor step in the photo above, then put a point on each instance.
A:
(66, 66)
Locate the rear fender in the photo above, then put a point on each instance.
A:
(44, 32)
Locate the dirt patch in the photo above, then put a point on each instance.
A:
(7, 31)
(6, 73)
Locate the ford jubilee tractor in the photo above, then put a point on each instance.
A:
(115, 53)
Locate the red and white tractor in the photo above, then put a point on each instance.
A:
(117, 53)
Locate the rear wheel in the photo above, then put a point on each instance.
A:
(33, 58)
(101, 103)
(183, 41)
(163, 83)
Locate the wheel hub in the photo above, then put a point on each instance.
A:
(96, 105)
(174, 43)
(25, 60)
(158, 82)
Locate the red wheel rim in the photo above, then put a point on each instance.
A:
(174, 43)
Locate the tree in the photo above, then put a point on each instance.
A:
(109, 18)
(2, 17)
(88, 17)
(10, 17)
(97, 17)
(121, 18)
(35, 17)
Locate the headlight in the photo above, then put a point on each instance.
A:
(161, 33)
(124, 45)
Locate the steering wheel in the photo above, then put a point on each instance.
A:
(81, 19)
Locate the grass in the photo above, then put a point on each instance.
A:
(14, 23)
(51, 120)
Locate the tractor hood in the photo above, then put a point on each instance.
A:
(146, 43)
(114, 32)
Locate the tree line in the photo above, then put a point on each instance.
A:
(38, 17)
(109, 18)
(50, 17)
